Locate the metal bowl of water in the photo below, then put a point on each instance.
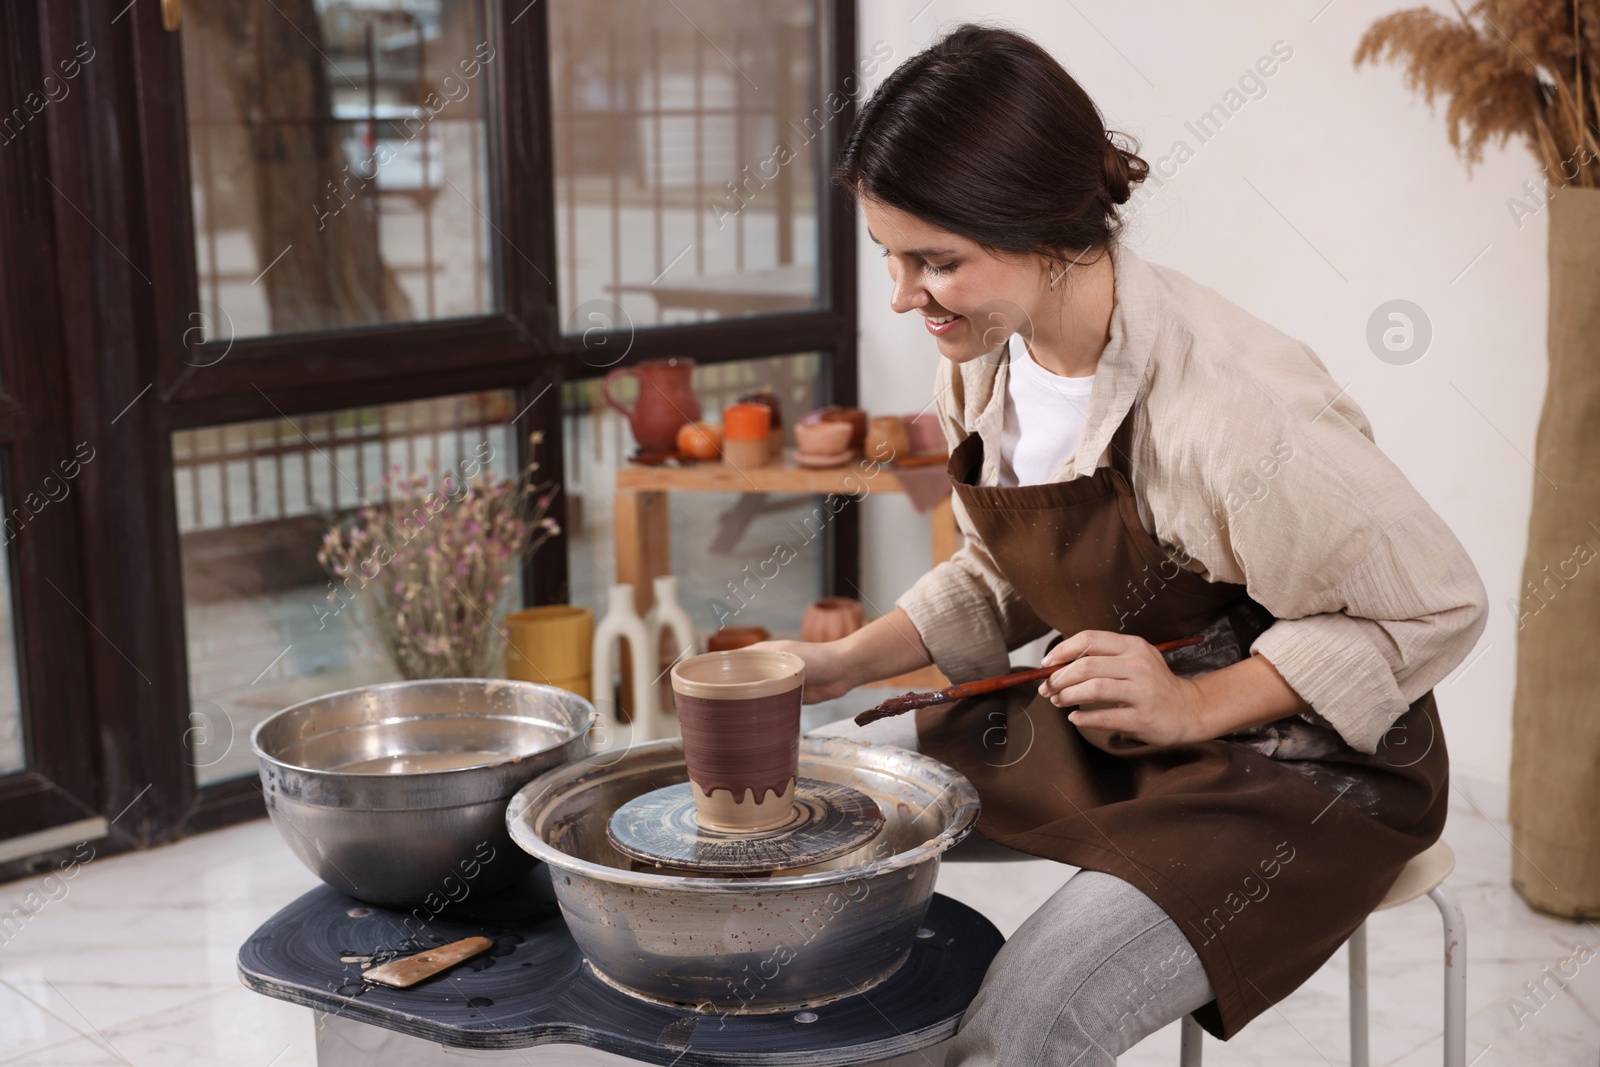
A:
(756, 944)
(396, 794)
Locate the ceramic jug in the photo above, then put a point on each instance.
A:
(666, 401)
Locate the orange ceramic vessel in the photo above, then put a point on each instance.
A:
(666, 401)
(746, 422)
(831, 618)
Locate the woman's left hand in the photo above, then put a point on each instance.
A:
(1124, 686)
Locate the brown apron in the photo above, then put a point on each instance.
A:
(1268, 847)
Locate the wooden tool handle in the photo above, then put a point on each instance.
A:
(407, 972)
(912, 701)
(990, 685)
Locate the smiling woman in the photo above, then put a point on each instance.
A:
(982, 260)
(1108, 420)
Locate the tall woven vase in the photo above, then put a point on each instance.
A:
(1555, 751)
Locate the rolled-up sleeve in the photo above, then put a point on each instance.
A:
(1376, 598)
(968, 615)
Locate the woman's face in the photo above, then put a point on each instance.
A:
(970, 298)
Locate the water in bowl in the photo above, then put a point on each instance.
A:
(417, 762)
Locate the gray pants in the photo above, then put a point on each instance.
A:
(1089, 975)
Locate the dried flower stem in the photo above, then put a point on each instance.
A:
(429, 564)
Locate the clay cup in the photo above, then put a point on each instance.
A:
(739, 712)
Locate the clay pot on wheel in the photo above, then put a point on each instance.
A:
(740, 715)
(831, 618)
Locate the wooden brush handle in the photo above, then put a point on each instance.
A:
(912, 701)
(990, 685)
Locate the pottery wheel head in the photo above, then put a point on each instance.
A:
(829, 821)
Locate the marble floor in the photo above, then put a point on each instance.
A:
(132, 963)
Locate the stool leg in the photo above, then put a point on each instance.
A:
(1189, 1043)
(1357, 947)
(1455, 977)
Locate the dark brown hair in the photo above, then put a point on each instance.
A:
(985, 135)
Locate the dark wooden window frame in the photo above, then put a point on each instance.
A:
(99, 345)
(61, 784)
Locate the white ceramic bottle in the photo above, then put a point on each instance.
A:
(621, 621)
(667, 618)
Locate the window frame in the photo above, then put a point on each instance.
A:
(120, 294)
(61, 784)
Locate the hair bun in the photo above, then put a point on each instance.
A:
(1123, 170)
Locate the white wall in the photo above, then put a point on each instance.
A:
(1362, 184)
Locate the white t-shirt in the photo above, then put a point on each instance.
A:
(1043, 419)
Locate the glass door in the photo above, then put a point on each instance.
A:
(304, 245)
(344, 211)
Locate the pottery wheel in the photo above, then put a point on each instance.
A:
(829, 821)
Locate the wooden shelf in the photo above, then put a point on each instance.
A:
(643, 535)
(857, 476)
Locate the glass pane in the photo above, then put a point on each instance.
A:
(338, 153)
(13, 748)
(254, 500)
(715, 536)
(687, 170)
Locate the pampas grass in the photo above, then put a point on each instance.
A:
(1523, 68)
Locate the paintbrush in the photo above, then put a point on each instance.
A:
(911, 701)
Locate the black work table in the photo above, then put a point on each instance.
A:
(534, 988)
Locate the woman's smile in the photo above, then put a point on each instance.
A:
(934, 272)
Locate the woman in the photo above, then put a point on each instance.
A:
(1135, 460)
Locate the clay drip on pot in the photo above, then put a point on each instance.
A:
(743, 814)
(747, 795)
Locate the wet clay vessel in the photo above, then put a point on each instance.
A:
(739, 713)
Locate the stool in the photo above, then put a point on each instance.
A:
(1424, 874)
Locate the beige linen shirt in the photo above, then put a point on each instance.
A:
(1250, 465)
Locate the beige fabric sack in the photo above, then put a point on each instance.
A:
(1555, 752)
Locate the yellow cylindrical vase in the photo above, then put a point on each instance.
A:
(551, 644)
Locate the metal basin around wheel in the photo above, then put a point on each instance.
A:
(767, 943)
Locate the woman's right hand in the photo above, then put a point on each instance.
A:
(882, 648)
(829, 670)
